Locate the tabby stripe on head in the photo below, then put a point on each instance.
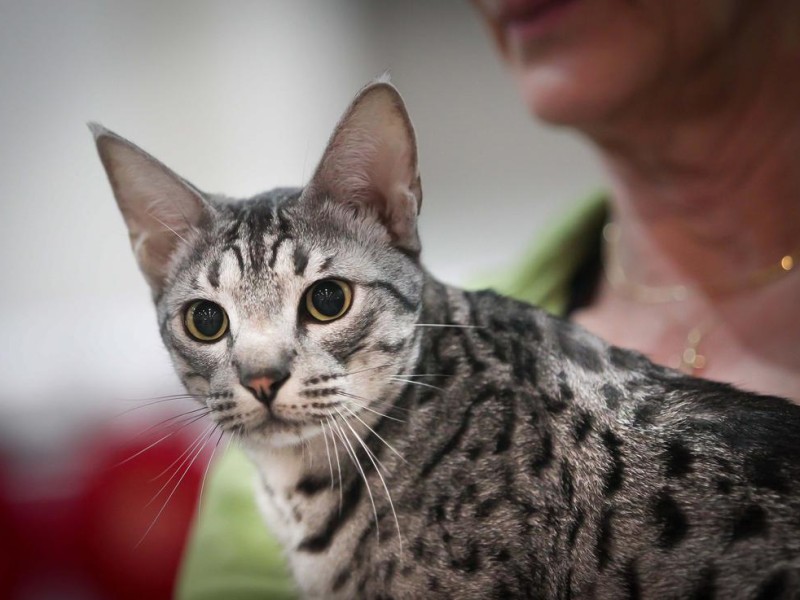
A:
(276, 245)
(257, 222)
(300, 259)
(407, 304)
(213, 273)
(326, 264)
(238, 254)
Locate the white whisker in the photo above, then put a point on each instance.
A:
(419, 383)
(158, 441)
(375, 433)
(327, 450)
(354, 457)
(348, 395)
(383, 366)
(175, 489)
(375, 462)
(446, 325)
(338, 466)
(187, 452)
(205, 474)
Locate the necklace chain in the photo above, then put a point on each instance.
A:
(691, 361)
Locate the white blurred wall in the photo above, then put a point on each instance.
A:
(237, 96)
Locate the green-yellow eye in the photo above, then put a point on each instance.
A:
(328, 299)
(206, 321)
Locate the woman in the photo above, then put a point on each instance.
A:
(692, 106)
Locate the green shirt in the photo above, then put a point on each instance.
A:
(232, 555)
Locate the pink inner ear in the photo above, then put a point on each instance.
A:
(160, 209)
(371, 161)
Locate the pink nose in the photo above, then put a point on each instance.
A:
(265, 387)
(261, 385)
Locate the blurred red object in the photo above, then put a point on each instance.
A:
(115, 523)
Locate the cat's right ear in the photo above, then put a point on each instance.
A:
(371, 163)
(161, 210)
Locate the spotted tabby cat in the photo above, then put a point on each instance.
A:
(415, 440)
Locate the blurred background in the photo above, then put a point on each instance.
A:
(236, 96)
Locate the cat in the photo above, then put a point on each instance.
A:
(415, 440)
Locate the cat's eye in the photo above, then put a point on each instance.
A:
(328, 299)
(206, 321)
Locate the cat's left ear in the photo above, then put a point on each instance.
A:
(371, 163)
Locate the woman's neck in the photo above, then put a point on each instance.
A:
(708, 194)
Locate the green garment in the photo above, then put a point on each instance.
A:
(231, 554)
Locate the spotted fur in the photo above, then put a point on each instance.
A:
(440, 443)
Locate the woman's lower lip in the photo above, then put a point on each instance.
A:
(539, 22)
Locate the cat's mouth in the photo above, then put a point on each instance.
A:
(280, 415)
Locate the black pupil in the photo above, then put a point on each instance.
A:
(208, 318)
(328, 298)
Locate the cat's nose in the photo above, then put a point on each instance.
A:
(265, 385)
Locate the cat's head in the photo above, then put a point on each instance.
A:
(281, 310)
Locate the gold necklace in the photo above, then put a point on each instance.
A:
(690, 361)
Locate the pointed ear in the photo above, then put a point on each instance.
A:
(160, 209)
(371, 163)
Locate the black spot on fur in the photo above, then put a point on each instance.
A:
(582, 426)
(507, 425)
(567, 485)
(750, 523)
(578, 352)
(418, 548)
(706, 586)
(766, 471)
(612, 396)
(678, 458)
(645, 414)
(605, 538)
(544, 456)
(470, 562)
(625, 359)
(615, 475)
(630, 579)
(775, 587)
(670, 520)
(724, 486)
(574, 528)
(503, 555)
(553, 405)
(486, 508)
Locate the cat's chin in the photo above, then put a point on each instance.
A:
(277, 436)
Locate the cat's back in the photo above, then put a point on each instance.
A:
(665, 485)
